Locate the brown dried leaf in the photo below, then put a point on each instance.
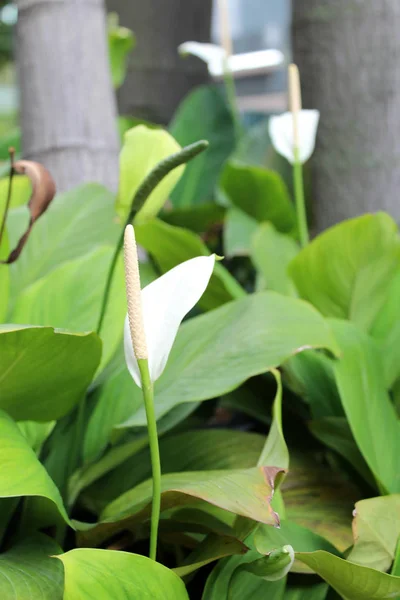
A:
(43, 192)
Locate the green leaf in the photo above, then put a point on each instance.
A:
(22, 473)
(114, 402)
(169, 246)
(311, 376)
(143, 149)
(376, 530)
(120, 42)
(272, 567)
(245, 586)
(239, 340)
(243, 492)
(369, 411)
(271, 253)
(65, 233)
(386, 331)
(118, 575)
(238, 231)
(212, 548)
(36, 433)
(199, 218)
(319, 499)
(260, 193)
(77, 308)
(202, 115)
(28, 570)
(335, 433)
(275, 451)
(199, 450)
(307, 592)
(351, 581)
(45, 372)
(300, 538)
(345, 271)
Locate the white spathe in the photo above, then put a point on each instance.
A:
(214, 56)
(165, 302)
(239, 64)
(282, 138)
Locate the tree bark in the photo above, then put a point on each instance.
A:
(68, 111)
(348, 52)
(158, 78)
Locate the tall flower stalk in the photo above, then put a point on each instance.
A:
(138, 337)
(154, 316)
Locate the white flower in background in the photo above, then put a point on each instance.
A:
(214, 56)
(281, 131)
(217, 59)
(165, 302)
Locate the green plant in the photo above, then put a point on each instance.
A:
(278, 402)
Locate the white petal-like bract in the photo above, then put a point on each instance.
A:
(213, 55)
(281, 134)
(165, 303)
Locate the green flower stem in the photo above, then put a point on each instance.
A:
(299, 198)
(160, 171)
(148, 396)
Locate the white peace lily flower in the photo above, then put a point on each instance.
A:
(214, 56)
(165, 302)
(281, 132)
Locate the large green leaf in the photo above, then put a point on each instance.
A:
(45, 372)
(171, 245)
(345, 271)
(77, 307)
(386, 330)
(271, 253)
(91, 573)
(22, 474)
(66, 232)
(216, 352)
(27, 571)
(369, 411)
(199, 450)
(260, 193)
(243, 492)
(202, 115)
(143, 149)
(351, 581)
(376, 529)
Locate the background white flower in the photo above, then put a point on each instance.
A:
(282, 134)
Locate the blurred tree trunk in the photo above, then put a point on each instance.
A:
(68, 111)
(158, 78)
(348, 52)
